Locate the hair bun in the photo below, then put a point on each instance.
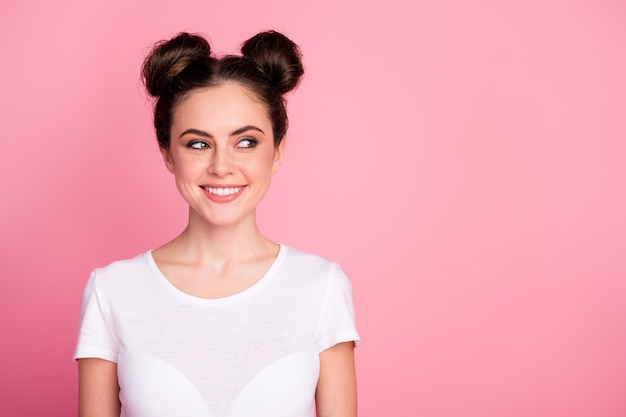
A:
(277, 57)
(169, 58)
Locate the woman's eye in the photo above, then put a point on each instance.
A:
(247, 143)
(197, 145)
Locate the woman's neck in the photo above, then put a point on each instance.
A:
(202, 241)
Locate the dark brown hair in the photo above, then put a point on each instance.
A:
(269, 67)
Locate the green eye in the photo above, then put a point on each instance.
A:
(196, 144)
(247, 143)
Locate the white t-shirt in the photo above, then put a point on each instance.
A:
(252, 354)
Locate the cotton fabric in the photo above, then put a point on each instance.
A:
(255, 353)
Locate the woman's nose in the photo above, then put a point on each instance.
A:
(220, 163)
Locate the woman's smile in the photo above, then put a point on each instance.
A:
(223, 194)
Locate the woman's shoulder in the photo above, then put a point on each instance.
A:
(298, 255)
(123, 270)
(316, 274)
(310, 263)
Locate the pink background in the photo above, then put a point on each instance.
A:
(465, 163)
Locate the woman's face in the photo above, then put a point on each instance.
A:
(222, 153)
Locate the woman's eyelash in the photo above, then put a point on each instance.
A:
(247, 143)
(197, 144)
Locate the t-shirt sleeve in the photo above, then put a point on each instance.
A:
(94, 331)
(337, 323)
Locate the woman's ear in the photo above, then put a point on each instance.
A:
(279, 152)
(167, 158)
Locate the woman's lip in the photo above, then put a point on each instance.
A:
(223, 193)
(223, 185)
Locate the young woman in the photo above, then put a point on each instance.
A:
(221, 321)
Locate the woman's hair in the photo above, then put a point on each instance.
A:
(269, 67)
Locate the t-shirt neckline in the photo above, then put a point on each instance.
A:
(260, 283)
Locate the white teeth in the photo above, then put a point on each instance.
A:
(222, 191)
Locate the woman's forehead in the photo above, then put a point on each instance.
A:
(227, 105)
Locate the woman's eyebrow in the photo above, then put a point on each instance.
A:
(209, 136)
(195, 132)
(245, 129)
